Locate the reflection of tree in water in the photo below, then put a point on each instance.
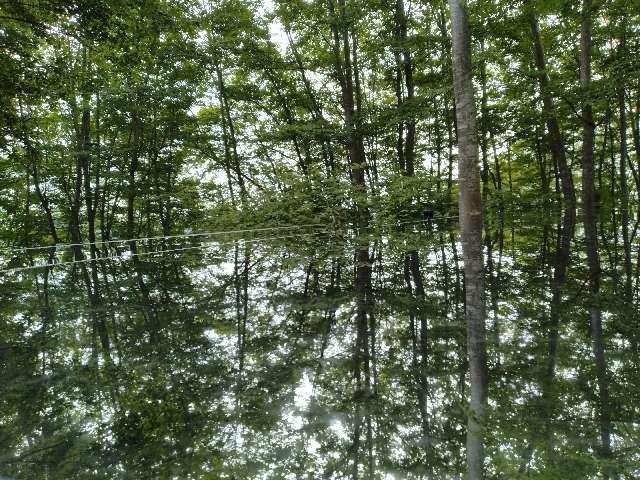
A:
(273, 361)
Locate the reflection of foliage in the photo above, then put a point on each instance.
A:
(173, 401)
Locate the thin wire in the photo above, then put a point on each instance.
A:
(421, 221)
(60, 246)
(120, 257)
(10, 271)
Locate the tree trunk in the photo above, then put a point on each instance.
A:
(553, 127)
(44, 199)
(445, 64)
(85, 161)
(624, 188)
(566, 221)
(229, 137)
(470, 207)
(344, 73)
(399, 102)
(420, 351)
(406, 67)
(316, 107)
(136, 130)
(590, 228)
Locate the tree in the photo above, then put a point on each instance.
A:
(470, 213)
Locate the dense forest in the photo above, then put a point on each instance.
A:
(295, 239)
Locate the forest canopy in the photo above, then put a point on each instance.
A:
(126, 119)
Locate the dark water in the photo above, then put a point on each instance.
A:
(303, 353)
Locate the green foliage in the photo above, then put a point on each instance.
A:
(180, 357)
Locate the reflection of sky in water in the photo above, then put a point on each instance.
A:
(248, 360)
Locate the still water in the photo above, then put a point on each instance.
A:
(307, 353)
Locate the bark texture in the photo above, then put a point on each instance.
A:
(591, 232)
(470, 206)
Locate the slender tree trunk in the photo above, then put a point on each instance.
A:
(635, 131)
(612, 191)
(74, 218)
(399, 89)
(316, 107)
(635, 126)
(42, 196)
(439, 148)
(590, 227)
(470, 206)
(229, 137)
(624, 188)
(406, 68)
(553, 127)
(484, 125)
(347, 73)
(566, 221)
(344, 71)
(565, 226)
(420, 350)
(85, 160)
(362, 352)
(136, 131)
(445, 63)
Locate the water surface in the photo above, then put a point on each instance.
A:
(308, 353)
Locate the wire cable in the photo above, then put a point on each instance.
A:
(61, 246)
(10, 271)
